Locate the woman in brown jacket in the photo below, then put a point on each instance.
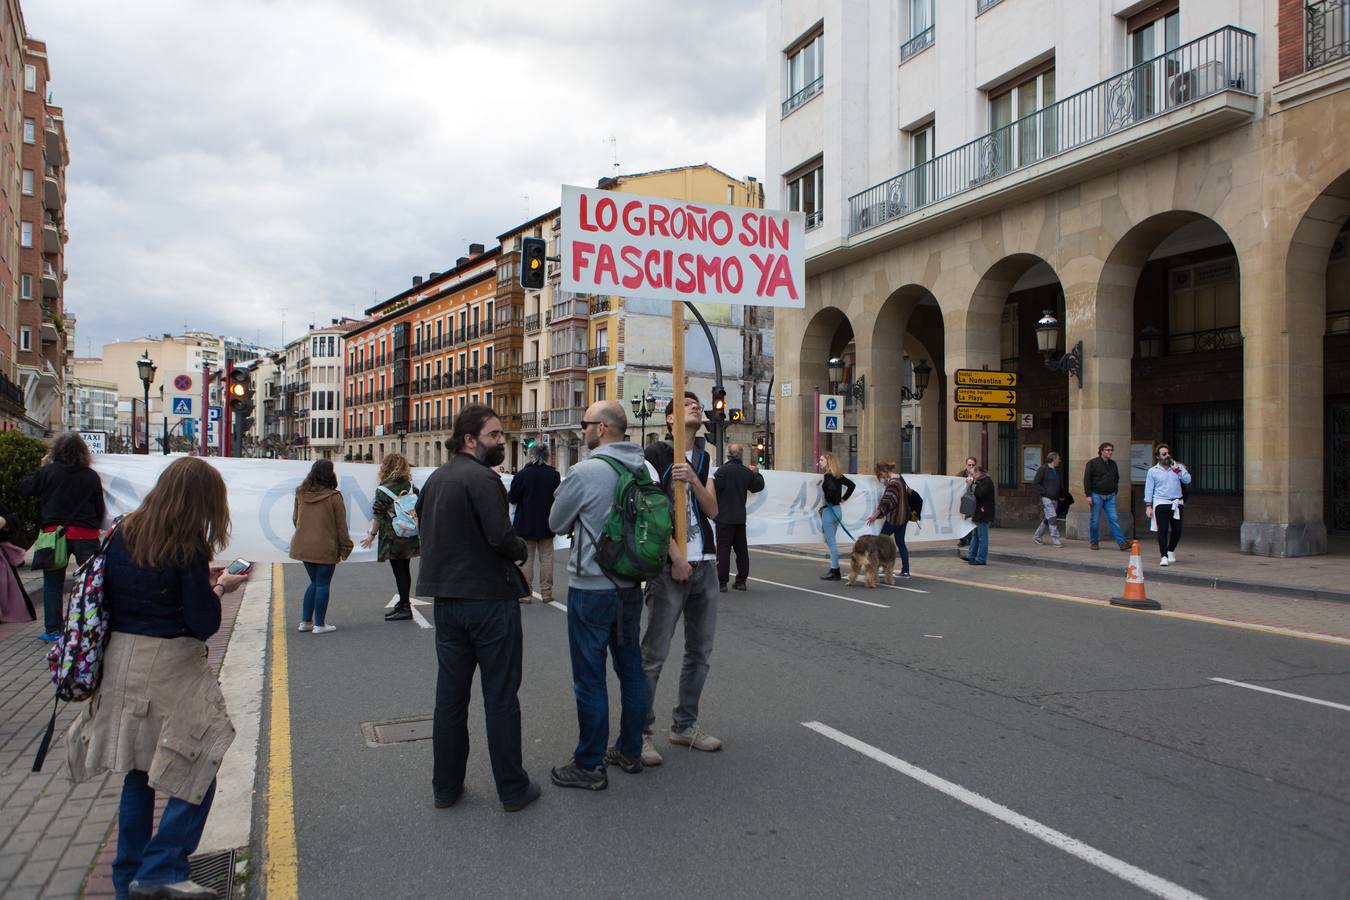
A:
(321, 540)
(893, 510)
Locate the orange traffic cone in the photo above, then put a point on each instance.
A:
(1135, 598)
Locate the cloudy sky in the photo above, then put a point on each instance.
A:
(237, 164)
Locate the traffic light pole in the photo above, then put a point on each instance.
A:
(226, 432)
(717, 369)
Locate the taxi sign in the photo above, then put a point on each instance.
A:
(985, 378)
(986, 396)
(985, 414)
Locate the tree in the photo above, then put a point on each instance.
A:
(20, 456)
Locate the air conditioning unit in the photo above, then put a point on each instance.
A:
(1203, 80)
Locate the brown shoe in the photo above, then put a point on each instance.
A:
(1094, 547)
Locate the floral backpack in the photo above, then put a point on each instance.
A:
(76, 659)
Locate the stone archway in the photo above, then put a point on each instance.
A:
(828, 335)
(907, 331)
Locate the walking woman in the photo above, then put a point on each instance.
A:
(159, 715)
(893, 510)
(395, 481)
(836, 488)
(321, 541)
(72, 500)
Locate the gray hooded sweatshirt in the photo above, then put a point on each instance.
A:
(585, 498)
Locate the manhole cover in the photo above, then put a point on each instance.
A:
(397, 731)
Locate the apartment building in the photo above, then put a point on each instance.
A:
(314, 380)
(1132, 206)
(92, 404)
(12, 36)
(533, 344)
(421, 356)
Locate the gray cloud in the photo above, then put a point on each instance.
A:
(237, 161)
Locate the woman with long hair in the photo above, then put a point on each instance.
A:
(72, 501)
(158, 715)
(321, 540)
(836, 488)
(398, 551)
(893, 510)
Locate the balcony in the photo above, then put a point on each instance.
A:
(529, 421)
(1327, 32)
(598, 357)
(921, 41)
(532, 324)
(575, 306)
(51, 189)
(459, 378)
(564, 419)
(600, 305)
(471, 375)
(790, 104)
(487, 328)
(485, 372)
(1179, 97)
(561, 361)
(511, 422)
(52, 138)
(51, 235)
(982, 5)
(51, 284)
(530, 370)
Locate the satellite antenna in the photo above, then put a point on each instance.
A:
(614, 149)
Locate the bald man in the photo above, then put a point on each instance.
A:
(732, 482)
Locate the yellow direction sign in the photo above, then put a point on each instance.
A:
(986, 414)
(991, 396)
(983, 378)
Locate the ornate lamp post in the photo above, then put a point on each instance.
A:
(1047, 339)
(145, 367)
(644, 407)
(857, 390)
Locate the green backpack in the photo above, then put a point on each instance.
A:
(634, 541)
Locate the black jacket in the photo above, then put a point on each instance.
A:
(836, 490)
(532, 490)
(731, 482)
(662, 456)
(1048, 483)
(985, 501)
(469, 548)
(1101, 476)
(168, 603)
(71, 495)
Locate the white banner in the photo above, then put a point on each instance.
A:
(630, 246)
(787, 511)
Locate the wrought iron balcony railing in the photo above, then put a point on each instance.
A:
(1327, 28)
(803, 95)
(915, 44)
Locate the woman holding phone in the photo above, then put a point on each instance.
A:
(158, 715)
(398, 551)
(321, 541)
(835, 488)
(1163, 499)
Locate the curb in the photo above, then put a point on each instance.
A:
(1226, 584)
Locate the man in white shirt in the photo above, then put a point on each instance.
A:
(1163, 501)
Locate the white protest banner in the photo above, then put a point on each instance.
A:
(631, 246)
(787, 511)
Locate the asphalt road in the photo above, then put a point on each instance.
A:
(1100, 758)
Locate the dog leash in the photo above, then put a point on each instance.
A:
(840, 521)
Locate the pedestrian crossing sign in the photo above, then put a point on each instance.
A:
(182, 406)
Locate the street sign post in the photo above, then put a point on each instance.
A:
(986, 396)
(985, 414)
(832, 413)
(985, 378)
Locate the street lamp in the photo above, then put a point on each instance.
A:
(1047, 339)
(907, 430)
(165, 413)
(1150, 348)
(145, 367)
(856, 390)
(922, 372)
(644, 407)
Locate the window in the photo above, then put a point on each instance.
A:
(803, 72)
(30, 78)
(1202, 307)
(25, 338)
(29, 132)
(1207, 438)
(1153, 34)
(599, 391)
(1009, 465)
(731, 195)
(805, 193)
(1021, 125)
(26, 287)
(25, 234)
(28, 182)
(920, 154)
(919, 33)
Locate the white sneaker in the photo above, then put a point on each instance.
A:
(1171, 557)
(1163, 561)
(650, 755)
(305, 626)
(324, 629)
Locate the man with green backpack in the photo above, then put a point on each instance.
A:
(619, 520)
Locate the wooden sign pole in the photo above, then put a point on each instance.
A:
(677, 406)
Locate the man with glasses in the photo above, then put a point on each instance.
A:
(603, 611)
(469, 565)
(1101, 480)
(686, 587)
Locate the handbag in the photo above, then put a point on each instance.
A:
(50, 552)
(968, 505)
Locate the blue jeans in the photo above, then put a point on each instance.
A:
(595, 620)
(316, 595)
(979, 543)
(829, 524)
(899, 535)
(1104, 502)
(162, 859)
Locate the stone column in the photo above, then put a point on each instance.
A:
(971, 341)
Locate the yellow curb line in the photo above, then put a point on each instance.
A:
(281, 870)
(1104, 604)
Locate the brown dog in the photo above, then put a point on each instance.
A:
(872, 553)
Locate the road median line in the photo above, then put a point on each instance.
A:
(281, 868)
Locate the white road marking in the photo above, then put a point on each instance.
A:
(417, 616)
(896, 587)
(1266, 690)
(938, 636)
(1119, 868)
(793, 587)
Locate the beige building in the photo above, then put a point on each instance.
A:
(1160, 178)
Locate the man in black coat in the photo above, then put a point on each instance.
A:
(532, 490)
(732, 482)
(469, 557)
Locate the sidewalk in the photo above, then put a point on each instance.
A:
(51, 831)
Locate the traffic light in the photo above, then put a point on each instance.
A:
(532, 253)
(736, 415)
(239, 390)
(759, 451)
(719, 404)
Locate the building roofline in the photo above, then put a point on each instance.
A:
(449, 273)
(613, 179)
(531, 223)
(426, 301)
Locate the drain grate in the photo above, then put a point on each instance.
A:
(214, 870)
(397, 731)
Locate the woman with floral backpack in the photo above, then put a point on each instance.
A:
(158, 714)
(397, 547)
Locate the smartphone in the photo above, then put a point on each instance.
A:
(239, 567)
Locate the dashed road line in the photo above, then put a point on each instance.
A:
(1266, 690)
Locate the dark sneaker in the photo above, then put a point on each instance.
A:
(722, 588)
(1094, 547)
(178, 889)
(532, 793)
(630, 765)
(575, 776)
(832, 575)
(738, 586)
(398, 614)
(454, 798)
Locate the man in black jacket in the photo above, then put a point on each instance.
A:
(732, 482)
(532, 490)
(1101, 481)
(469, 557)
